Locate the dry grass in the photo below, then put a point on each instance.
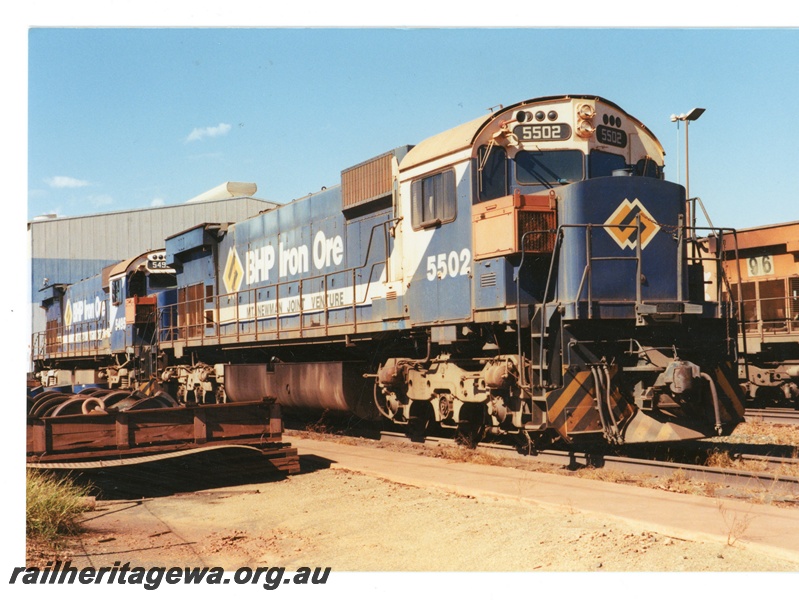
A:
(52, 506)
(721, 460)
(462, 454)
(736, 523)
(760, 432)
(610, 475)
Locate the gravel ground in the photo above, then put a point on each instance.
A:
(385, 539)
(354, 522)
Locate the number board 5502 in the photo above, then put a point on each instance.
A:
(453, 264)
(543, 132)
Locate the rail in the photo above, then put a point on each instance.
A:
(770, 477)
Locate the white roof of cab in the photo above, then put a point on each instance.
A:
(444, 143)
(462, 136)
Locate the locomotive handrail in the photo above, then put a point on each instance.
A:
(183, 330)
(586, 276)
(722, 281)
(522, 370)
(764, 326)
(723, 275)
(76, 340)
(585, 284)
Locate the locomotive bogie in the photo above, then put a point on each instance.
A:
(195, 384)
(483, 394)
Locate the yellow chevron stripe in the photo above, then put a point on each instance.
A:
(664, 433)
(566, 395)
(730, 391)
(579, 414)
(621, 408)
(639, 429)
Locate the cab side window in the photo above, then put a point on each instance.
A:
(433, 200)
(116, 292)
(492, 171)
(137, 285)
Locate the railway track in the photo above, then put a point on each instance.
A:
(765, 478)
(783, 416)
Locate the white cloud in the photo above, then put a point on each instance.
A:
(157, 202)
(199, 133)
(59, 181)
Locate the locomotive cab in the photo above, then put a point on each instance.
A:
(580, 273)
(135, 288)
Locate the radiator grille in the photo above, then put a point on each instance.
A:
(367, 181)
(537, 221)
(488, 279)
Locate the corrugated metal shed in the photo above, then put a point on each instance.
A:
(68, 249)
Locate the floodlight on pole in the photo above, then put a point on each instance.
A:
(691, 115)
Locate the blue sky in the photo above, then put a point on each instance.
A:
(129, 118)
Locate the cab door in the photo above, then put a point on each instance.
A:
(438, 249)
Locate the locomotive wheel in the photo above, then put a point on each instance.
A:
(471, 426)
(382, 404)
(421, 416)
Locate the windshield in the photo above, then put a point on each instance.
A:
(162, 281)
(602, 164)
(554, 167)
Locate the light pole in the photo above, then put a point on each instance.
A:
(692, 115)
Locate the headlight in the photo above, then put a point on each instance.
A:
(585, 129)
(586, 111)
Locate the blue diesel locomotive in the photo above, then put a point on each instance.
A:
(528, 273)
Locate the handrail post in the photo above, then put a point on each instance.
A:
(638, 270)
(302, 305)
(680, 242)
(327, 308)
(277, 309)
(588, 259)
(355, 302)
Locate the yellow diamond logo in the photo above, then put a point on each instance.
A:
(68, 314)
(234, 272)
(622, 228)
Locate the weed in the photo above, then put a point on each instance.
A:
(735, 523)
(462, 454)
(720, 459)
(52, 505)
(678, 479)
(710, 488)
